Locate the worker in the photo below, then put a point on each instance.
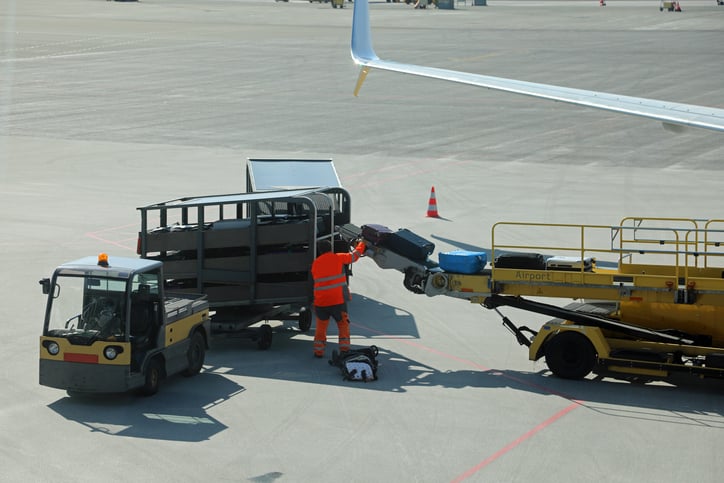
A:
(331, 293)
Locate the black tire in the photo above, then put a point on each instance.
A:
(265, 337)
(195, 355)
(305, 320)
(154, 374)
(570, 355)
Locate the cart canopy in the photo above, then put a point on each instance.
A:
(283, 174)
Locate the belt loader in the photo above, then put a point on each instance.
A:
(654, 309)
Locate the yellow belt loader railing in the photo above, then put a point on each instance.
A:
(670, 271)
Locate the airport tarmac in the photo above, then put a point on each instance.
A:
(108, 106)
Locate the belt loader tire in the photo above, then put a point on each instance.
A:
(570, 355)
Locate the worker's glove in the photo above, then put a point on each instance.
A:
(361, 248)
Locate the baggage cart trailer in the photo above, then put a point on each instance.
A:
(249, 253)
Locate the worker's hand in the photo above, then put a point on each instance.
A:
(361, 248)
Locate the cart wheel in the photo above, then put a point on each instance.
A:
(570, 355)
(305, 319)
(265, 337)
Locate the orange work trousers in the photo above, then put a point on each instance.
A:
(320, 335)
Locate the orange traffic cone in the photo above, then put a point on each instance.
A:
(432, 205)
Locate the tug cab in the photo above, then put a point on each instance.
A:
(109, 327)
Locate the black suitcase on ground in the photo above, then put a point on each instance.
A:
(525, 261)
(375, 234)
(409, 245)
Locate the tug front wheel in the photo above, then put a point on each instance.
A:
(570, 355)
(154, 374)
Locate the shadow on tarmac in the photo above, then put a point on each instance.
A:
(383, 320)
(179, 412)
(691, 402)
(696, 403)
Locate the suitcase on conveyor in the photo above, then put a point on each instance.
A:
(525, 261)
(375, 234)
(570, 263)
(409, 245)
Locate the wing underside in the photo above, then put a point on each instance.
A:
(670, 113)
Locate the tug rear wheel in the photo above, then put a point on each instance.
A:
(570, 355)
(195, 355)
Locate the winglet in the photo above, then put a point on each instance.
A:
(362, 51)
(361, 45)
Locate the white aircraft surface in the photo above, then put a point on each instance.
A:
(674, 116)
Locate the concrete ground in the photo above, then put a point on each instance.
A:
(107, 106)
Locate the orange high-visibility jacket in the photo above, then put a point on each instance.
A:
(330, 280)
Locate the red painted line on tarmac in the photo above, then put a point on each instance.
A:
(515, 443)
(110, 242)
(115, 228)
(96, 236)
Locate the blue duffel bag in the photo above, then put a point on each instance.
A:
(462, 261)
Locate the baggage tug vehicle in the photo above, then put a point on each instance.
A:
(110, 327)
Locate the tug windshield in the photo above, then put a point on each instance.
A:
(91, 307)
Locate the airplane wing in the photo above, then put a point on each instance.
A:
(673, 115)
